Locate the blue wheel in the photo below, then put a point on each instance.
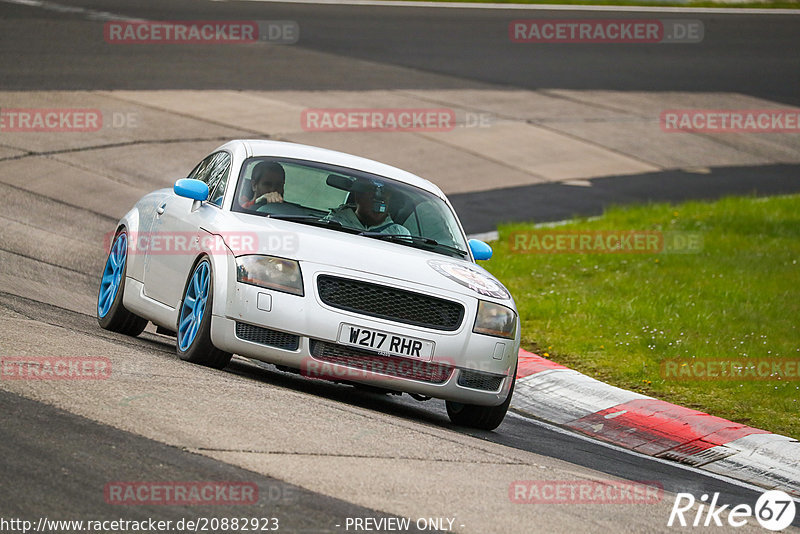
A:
(194, 320)
(194, 306)
(111, 314)
(112, 275)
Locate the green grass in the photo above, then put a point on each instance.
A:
(616, 317)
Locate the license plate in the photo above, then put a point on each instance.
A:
(385, 342)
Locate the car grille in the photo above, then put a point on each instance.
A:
(265, 336)
(476, 380)
(390, 303)
(364, 360)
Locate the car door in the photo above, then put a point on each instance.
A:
(175, 239)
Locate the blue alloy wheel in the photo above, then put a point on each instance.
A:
(111, 314)
(194, 324)
(194, 305)
(112, 275)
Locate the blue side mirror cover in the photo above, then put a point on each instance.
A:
(480, 250)
(191, 188)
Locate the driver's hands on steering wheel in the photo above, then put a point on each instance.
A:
(270, 197)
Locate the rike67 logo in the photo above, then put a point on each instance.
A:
(774, 510)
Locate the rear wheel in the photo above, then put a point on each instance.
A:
(111, 314)
(194, 321)
(482, 417)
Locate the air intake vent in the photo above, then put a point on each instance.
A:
(476, 380)
(390, 303)
(369, 361)
(265, 336)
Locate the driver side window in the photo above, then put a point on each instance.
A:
(214, 171)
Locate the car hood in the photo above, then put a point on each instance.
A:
(367, 255)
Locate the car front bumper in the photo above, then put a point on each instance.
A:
(303, 332)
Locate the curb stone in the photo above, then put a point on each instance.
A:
(562, 396)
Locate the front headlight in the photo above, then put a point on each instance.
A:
(471, 276)
(495, 320)
(270, 272)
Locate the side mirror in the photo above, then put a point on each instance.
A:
(480, 250)
(191, 188)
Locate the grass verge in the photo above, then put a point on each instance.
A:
(620, 316)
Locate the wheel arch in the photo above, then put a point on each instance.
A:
(130, 223)
(220, 264)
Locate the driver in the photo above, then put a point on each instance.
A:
(371, 212)
(267, 180)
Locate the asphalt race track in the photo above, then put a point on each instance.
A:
(321, 453)
(750, 54)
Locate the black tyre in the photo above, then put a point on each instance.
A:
(111, 314)
(482, 417)
(194, 320)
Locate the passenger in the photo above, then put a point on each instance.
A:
(371, 212)
(267, 181)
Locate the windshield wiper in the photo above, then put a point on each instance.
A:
(416, 240)
(313, 221)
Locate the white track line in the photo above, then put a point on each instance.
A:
(90, 14)
(104, 15)
(533, 7)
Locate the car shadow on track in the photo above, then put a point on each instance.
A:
(516, 432)
(356, 395)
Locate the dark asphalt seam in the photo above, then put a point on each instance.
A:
(574, 137)
(545, 125)
(58, 201)
(50, 229)
(9, 303)
(249, 133)
(608, 107)
(144, 344)
(31, 153)
(39, 260)
(90, 170)
(484, 156)
(98, 333)
(34, 302)
(711, 137)
(539, 124)
(545, 92)
(330, 455)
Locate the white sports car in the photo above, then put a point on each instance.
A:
(323, 263)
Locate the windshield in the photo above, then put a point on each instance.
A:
(348, 200)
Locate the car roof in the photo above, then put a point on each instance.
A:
(260, 147)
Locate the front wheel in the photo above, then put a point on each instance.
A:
(482, 417)
(194, 321)
(111, 314)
